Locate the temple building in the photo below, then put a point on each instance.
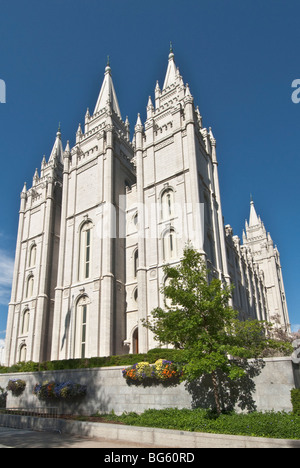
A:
(102, 218)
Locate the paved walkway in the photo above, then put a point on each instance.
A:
(24, 438)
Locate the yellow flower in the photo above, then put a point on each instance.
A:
(141, 366)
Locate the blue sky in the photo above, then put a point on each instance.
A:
(239, 57)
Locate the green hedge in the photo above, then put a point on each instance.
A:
(271, 424)
(108, 361)
(295, 397)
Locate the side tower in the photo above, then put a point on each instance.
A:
(177, 200)
(267, 257)
(89, 317)
(30, 316)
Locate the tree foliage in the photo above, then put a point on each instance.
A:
(198, 319)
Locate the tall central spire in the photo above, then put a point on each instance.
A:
(107, 93)
(171, 70)
(253, 219)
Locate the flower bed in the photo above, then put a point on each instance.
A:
(59, 391)
(162, 372)
(16, 386)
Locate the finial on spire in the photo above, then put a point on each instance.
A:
(107, 68)
(58, 134)
(171, 54)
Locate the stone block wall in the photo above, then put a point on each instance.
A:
(266, 388)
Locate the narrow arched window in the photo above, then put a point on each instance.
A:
(25, 322)
(135, 294)
(32, 256)
(212, 253)
(167, 204)
(81, 328)
(29, 287)
(85, 251)
(169, 245)
(207, 210)
(23, 353)
(135, 262)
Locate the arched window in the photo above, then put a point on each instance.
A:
(135, 262)
(25, 322)
(212, 253)
(169, 245)
(32, 256)
(167, 204)
(23, 353)
(135, 294)
(207, 210)
(29, 286)
(81, 328)
(85, 251)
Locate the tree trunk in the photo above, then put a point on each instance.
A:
(216, 391)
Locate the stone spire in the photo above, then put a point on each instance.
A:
(35, 178)
(171, 70)
(108, 93)
(253, 219)
(57, 150)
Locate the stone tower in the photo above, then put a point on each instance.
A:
(176, 200)
(89, 316)
(30, 318)
(267, 257)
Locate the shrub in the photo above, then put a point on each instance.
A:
(175, 355)
(16, 386)
(62, 391)
(268, 424)
(295, 397)
(3, 395)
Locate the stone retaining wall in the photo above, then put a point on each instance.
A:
(267, 388)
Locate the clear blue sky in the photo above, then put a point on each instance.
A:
(238, 56)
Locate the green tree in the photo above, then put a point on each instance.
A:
(198, 319)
